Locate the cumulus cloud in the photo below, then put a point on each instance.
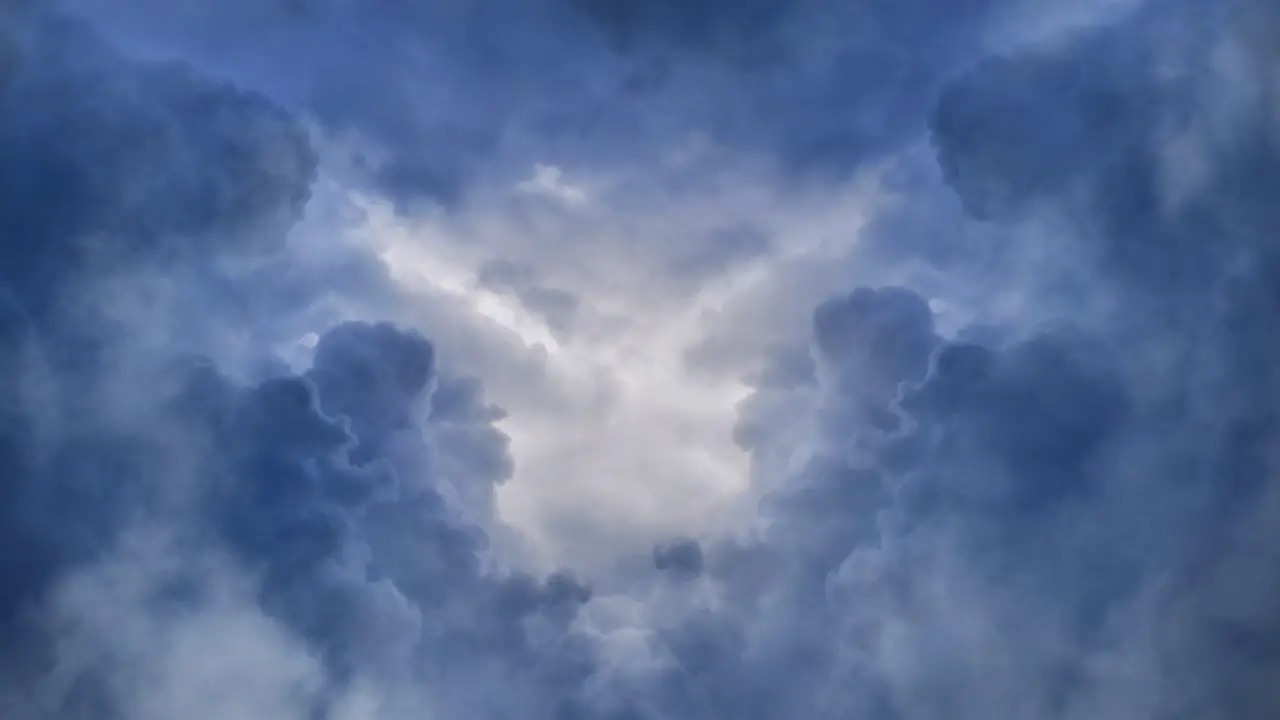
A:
(1026, 526)
(1027, 469)
(178, 541)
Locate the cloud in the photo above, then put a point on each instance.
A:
(207, 163)
(191, 542)
(556, 307)
(437, 100)
(106, 165)
(1026, 470)
(1027, 526)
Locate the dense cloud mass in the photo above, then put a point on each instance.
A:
(1064, 510)
(364, 565)
(816, 87)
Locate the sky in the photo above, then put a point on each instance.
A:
(639, 359)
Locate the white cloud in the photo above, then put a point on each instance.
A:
(549, 181)
(620, 431)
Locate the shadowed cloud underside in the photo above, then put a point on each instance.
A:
(590, 360)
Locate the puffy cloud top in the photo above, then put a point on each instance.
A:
(1067, 515)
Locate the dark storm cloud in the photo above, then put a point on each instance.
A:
(470, 453)
(111, 166)
(205, 164)
(104, 163)
(1065, 524)
(434, 90)
(445, 93)
(365, 557)
(1072, 520)
(682, 556)
(106, 166)
(700, 26)
(819, 86)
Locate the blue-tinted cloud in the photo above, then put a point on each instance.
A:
(1046, 526)
(1065, 516)
(558, 308)
(106, 164)
(443, 93)
(113, 166)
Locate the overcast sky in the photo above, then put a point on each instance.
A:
(632, 359)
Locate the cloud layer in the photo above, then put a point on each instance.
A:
(985, 291)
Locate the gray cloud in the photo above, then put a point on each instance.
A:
(1066, 515)
(272, 516)
(558, 308)
(443, 96)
